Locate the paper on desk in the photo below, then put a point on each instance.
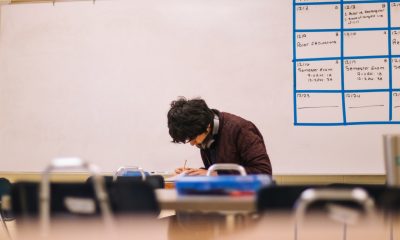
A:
(175, 177)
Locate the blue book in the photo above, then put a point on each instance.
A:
(222, 185)
(132, 173)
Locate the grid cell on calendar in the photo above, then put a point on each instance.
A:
(367, 106)
(318, 75)
(396, 73)
(306, 15)
(317, 44)
(346, 73)
(326, 107)
(395, 41)
(370, 73)
(396, 106)
(395, 14)
(373, 15)
(366, 43)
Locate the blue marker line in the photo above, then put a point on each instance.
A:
(364, 29)
(345, 2)
(339, 58)
(318, 59)
(344, 29)
(362, 2)
(318, 30)
(390, 61)
(319, 91)
(294, 63)
(372, 122)
(365, 90)
(348, 123)
(320, 124)
(366, 57)
(344, 91)
(317, 3)
(342, 61)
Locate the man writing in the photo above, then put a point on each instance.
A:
(222, 137)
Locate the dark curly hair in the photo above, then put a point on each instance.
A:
(188, 118)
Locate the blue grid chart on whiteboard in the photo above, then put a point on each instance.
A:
(346, 62)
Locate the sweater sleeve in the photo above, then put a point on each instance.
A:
(252, 150)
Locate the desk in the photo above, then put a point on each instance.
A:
(281, 226)
(84, 229)
(169, 199)
(275, 226)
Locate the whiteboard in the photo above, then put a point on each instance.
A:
(96, 80)
(346, 63)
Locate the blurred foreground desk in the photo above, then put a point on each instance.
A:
(281, 226)
(170, 200)
(276, 226)
(78, 229)
(231, 208)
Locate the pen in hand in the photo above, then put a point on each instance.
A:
(184, 166)
(182, 170)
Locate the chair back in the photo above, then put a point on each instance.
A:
(279, 198)
(79, 199)
(132, 173)
(5, 187)
(66, 199)
(5, 215)
(386, 198)
(155, 181)
(5, 190)
(129, 196)
(355, 198)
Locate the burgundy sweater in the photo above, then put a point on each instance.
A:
(238, 141)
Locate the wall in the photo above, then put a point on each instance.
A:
(96, 80)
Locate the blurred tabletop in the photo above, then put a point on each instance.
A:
(169, 199)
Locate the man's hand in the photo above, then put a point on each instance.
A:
(199, 172)
(180, 170)
(194, 171)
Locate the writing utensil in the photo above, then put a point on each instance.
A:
(184, 165)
